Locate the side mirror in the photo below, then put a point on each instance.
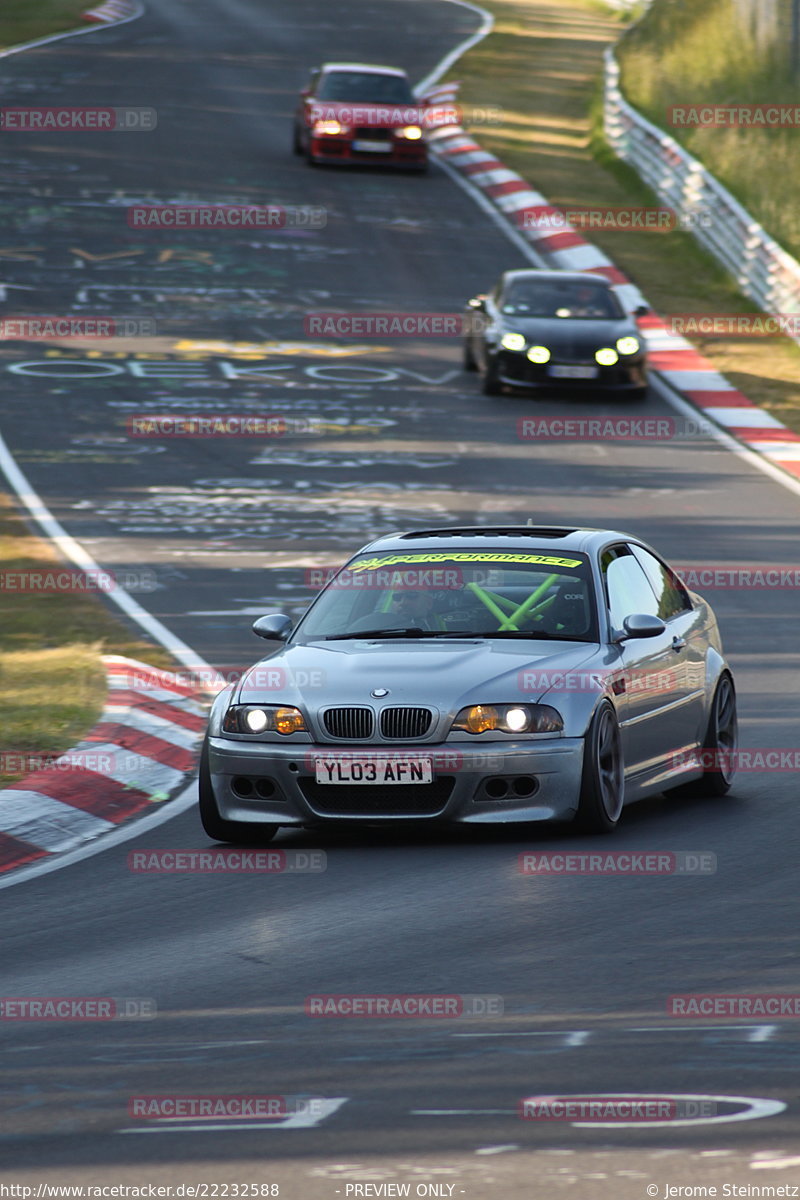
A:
(642, 310)
(306, 91)
(478, 303)
(641, 625)
(275, 627)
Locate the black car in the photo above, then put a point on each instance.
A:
(555, 329)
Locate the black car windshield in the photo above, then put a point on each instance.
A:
(367, 87)
(482, 593)
(556, 298)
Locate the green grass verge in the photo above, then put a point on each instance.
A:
(52, 680)
(27, 20)
(542, 66)
(688, 52)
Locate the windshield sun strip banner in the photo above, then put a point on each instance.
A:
(389, 560)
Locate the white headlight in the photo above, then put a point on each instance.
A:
(538, 354)
(256, 720)
(512, 341)
(607, 357)
(517, 719)
(628, 345)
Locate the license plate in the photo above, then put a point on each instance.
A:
(380, 147)
(374, 770)
(573, 372)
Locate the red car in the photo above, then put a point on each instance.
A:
(354, 113)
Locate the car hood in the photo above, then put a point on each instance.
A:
(444, 674)
(558, 332)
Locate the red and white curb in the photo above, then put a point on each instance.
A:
(675, 359)
(111, 10)
(140, 753)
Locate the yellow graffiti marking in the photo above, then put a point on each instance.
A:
(103, 257)
(274, 349)
(203, 256)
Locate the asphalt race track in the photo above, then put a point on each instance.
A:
(384, 435)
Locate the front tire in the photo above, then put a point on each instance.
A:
(491, 382)
(720, 745)
(240, 833)
(469, 358)
(603, 779)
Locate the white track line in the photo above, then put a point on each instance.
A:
(444, 65)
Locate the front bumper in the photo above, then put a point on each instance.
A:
(274, 784)
(332, 149)
(514, 369)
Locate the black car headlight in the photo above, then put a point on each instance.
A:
(263, 718)
(509, 718)
(512, 341)
(628, 345)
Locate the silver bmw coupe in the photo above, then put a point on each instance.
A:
(475, 675)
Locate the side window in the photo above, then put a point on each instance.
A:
(628, 590)
(671, 595)
(312, 82)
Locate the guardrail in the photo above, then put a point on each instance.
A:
(762, 269)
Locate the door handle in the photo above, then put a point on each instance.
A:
(678, 643)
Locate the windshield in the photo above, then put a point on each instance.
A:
(365, 86)
(502, 594)
(554, 298)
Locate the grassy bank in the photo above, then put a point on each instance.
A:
(687, 52)
(52, 681)
(25, 21)
(542, 67)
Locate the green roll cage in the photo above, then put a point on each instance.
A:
(509, 619)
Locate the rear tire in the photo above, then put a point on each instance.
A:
(603, 779)
(240, 833)
(469, 358)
